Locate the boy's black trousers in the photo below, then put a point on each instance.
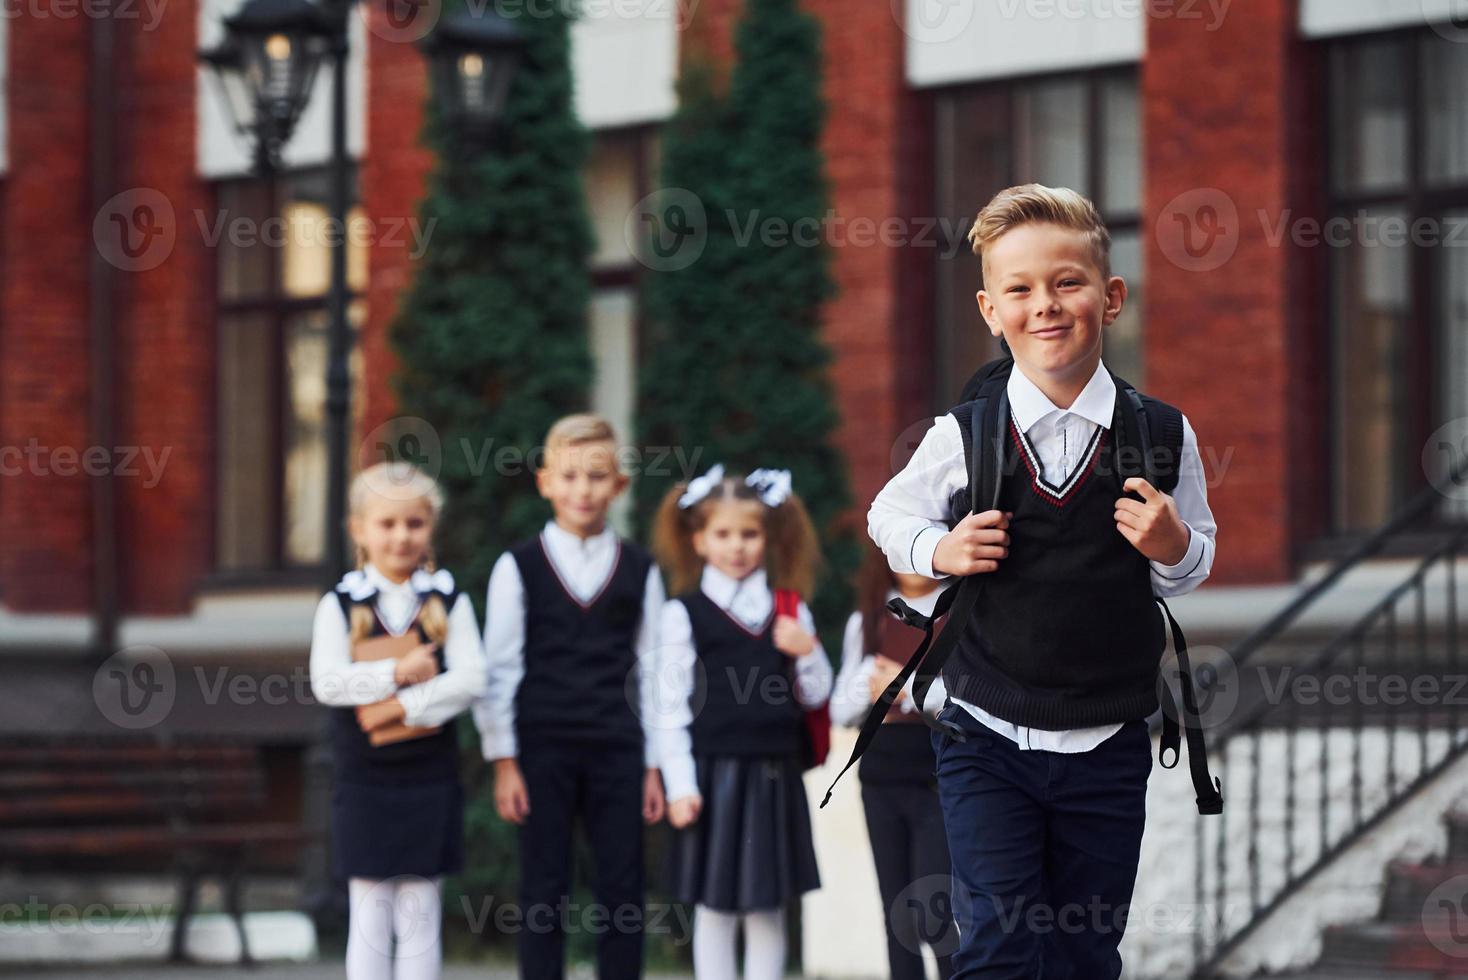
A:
(601, 785)
(1045, 848)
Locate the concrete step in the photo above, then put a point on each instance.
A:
(1410, 886)
(1436, 945)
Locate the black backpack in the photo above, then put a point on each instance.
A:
(1149, 444)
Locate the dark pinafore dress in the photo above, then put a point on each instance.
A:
(751, 847)
(395, 809)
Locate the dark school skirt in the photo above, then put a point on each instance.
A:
(751, 847)
(381, 831)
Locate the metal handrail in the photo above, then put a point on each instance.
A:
(1353, 639)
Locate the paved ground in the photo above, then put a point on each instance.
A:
(272, 971)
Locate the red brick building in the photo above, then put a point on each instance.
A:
(162, 313)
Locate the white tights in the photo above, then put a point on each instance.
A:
(407, 908)
(713, 944)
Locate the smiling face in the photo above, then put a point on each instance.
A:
(394, 534)
(1046, 296)
(581, 480)
(732, 538)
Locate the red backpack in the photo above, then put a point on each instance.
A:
(817, 719)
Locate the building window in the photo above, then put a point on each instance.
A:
(273, 275)
(1075, 130)
(1399, 310)
(619, 173)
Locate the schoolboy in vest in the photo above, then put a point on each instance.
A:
(571, 622)
(1043, 780)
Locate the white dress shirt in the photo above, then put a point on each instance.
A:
(851, 697)
(749, 601)
(338, 682)
(910, 515)
(585, 568)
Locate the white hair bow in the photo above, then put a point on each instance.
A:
(773, 486)
(701, 486)
(439, 581)
(356, 584)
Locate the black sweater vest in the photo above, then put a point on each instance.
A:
(432, 758)
(1065, 633)
(581, 679)
(743, 694)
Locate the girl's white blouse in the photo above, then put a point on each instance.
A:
(338, 682)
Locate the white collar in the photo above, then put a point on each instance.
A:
(923, 603)
(563, 540)
(1028, 404)
(364, 583)
(722, 589)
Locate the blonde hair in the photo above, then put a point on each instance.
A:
(1036, 204)
(792, 547)
(579, 429)
(398, 481)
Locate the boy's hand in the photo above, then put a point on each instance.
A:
(975, 545)
(416, 666)
(1152, 525)
(653, 802)
(791, 638)
(682, 812)
(373, 716)
(510, 798)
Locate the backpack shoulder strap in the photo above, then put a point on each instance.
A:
(1150, 432)
(981, 422)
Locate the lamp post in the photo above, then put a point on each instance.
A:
(472, 56)
(266, 66)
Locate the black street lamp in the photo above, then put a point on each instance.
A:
(266, 66)
(472, 56)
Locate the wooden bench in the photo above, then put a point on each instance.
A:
(196, 809)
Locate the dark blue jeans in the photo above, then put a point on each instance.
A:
(1045, 848)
